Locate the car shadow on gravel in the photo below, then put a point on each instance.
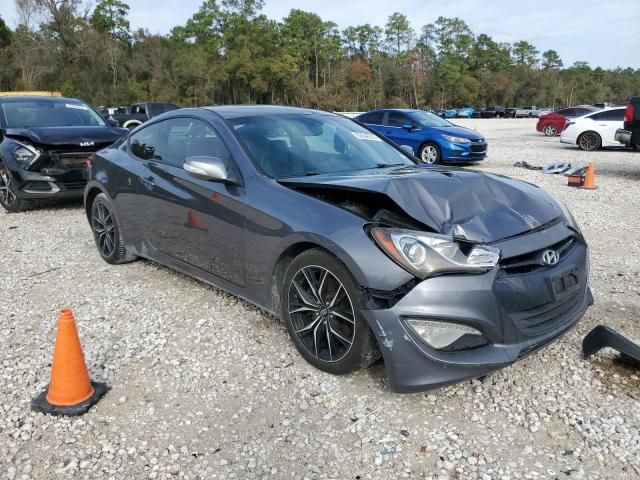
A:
(60, 204)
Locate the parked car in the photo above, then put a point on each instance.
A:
(465, 112)
(528, 112)
(432, 139)
(594, 130)
(629, 135)
(135, 115)
(493, 112)
(553, 123)
(44, 143)
(510, 112)
(448, 274)
(446, 113)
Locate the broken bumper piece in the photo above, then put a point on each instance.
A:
(601, 337)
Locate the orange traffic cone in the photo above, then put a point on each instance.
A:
(590, 178)
(70, 391)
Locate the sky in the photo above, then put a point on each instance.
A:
(604, 33)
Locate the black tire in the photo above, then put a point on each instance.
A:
(430, 154)
(550, 130)
(345, 342)
(8, 198)
(589, 141)
(106, 232)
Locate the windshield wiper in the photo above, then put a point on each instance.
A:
(387, 165)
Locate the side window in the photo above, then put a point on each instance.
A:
(581, 111)
(189, 137)
(138, 109)
(143, 144)
(375, 118)
(397, 119)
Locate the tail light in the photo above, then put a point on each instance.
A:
(628, 113)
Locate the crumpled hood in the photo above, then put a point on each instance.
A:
(480, 207)
(456, 131)
(68, 136)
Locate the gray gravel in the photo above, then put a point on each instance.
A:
(204, 385)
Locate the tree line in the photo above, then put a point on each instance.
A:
(229, 52)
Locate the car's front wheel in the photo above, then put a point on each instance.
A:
(589, 141)
(8, 198)
(550, 131)
(321, 308)
(107, 233)
(430, 153)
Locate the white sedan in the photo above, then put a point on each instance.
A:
(594, 130)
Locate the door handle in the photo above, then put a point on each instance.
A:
(148, 182)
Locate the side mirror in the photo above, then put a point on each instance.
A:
(209, 168)
(113, 122)
(407, 126)
(407, 149)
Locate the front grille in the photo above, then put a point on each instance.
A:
(70, 159)
(71, 186)
(477, 140)
(532, 261)
(536, 321)
(478, 148)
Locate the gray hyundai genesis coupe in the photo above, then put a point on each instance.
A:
(448, 274)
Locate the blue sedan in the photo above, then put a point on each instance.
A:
(433, 139)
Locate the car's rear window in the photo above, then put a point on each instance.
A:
(45, 113)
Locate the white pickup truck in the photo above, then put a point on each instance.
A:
(528, 112)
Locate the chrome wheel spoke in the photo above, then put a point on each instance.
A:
(302, 295)
(335, 297)
(313, 324)
(339, 337)
(310, 283)
(340, 315)
(302, 309)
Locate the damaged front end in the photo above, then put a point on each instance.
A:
(500, 269)
(48, 166)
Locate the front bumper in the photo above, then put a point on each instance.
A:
(623, 136)
(464, 152)
(49, 183)
(518, 314)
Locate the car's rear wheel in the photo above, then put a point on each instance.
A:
(107, 233)
(550, 131)
(8, 198)
(321, 308)
(589, 141)
(430, 153)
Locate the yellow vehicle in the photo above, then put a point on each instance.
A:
(34, 93)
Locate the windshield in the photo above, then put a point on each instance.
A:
(46, 113)
(291, 145)
(427, 119)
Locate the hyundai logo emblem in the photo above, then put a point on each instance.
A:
(550, 257)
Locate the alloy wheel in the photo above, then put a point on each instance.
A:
(550, 131)
(589, 141)
(7, 196)
(321, 313)
(429, 154)
(104, 229)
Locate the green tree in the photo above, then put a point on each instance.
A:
(551, 60)
(398, 32)
(110, 16)
(525, 53)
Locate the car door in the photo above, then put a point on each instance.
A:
(396, 129)
(607, 123)
(199, 222)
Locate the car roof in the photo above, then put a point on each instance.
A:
(22, 98)
(235, 111)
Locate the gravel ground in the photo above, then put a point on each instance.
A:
(204, 385)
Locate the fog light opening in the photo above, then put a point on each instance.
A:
(440, 335)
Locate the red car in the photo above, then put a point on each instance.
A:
(552, 123)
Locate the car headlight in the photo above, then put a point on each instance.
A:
(424, 254)
(25, 155)
(440, 335)
(455, 139)
(568, 217)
